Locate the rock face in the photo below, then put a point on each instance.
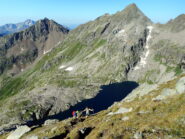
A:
(20, 131)
(164, 94)
(49, 122)
(12, 28)
(180, 86)
(21, 49)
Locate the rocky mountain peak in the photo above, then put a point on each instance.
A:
(29, 22)
(132, 7)
(177, 19)
(177, 24)
(132, 10)
(132, 14)
(50, 25)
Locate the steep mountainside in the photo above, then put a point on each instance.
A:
(12, 28)
(164, 57)
(21, 49)
(95, 58)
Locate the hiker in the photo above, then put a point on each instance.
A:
(78, 114)
(87, 111)
(74, 114)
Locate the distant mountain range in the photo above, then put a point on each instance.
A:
(12, 28)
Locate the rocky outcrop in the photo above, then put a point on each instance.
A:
(49, 122)
(20, 131)
(180, 86)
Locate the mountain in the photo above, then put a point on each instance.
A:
(12, 28)
(99, 63)
(20, 49)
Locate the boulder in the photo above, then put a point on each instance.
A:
(138, 135)
(32, 137)
(51, 121)
(166, 92)
(1, 132)
(20, 131)
(142, 90)
(179, 89)
(125, 118)
(121, 111)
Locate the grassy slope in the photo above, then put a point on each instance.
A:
(160, 119)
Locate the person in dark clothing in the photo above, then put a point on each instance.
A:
(74, 114)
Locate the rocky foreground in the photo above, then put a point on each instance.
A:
(145, 113)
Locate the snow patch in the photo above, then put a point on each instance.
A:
(143, 60)
(69, 69)
(121, 111)
(61, 67)
(121, 31)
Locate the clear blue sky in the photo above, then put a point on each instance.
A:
(73, 12)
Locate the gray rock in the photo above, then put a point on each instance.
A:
(143, 112)
(138, 135)
(121, 111)
(19, 132)
(180, 86)
(2, 132)
(32, 137)
(142, 90)
(49, 122)
(164, 94)
(125, 118)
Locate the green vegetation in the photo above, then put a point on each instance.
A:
(98, 43)
(13, 86)
(67, 83)
(150, 77)
(178, 70)
(158, 58)
(169, 69)
(73, 50)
